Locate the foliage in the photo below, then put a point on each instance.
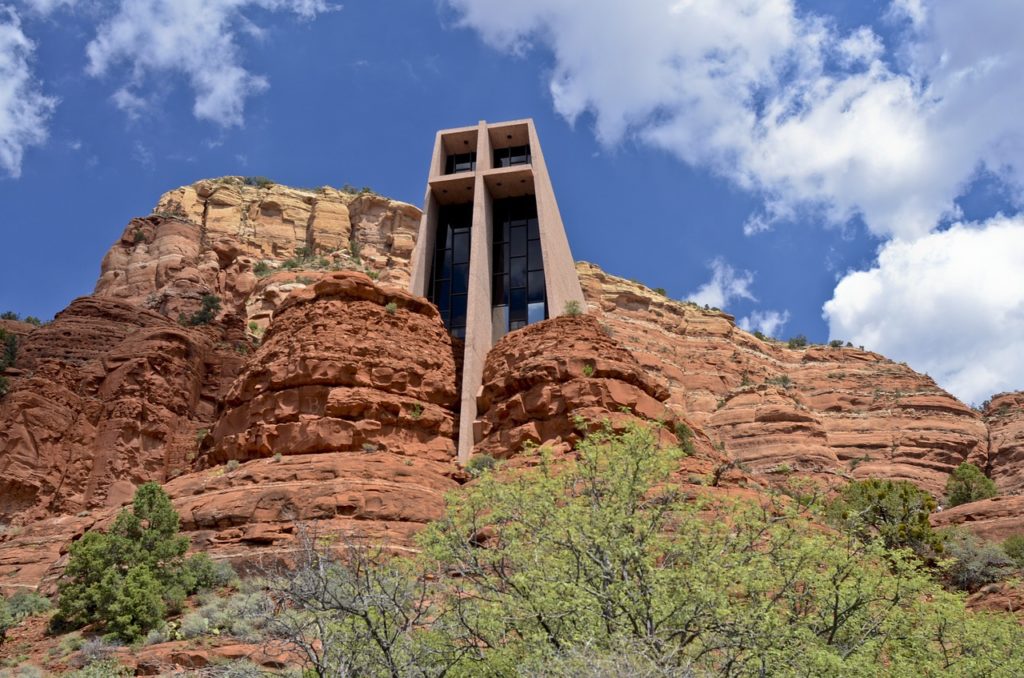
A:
(894, 512)
(258, 181)
(761, 335)
(391, 308)
(661, 291)
(18, 607)
(684, 434)
(588, 370)
(208, 310)
(603, 561)
(6, 619)
(967, 483)
(8, 349)
(479, 463)
(836, 343)
(572, 308)
(262, 269)
(799, 341)
(416, 410)
(9, 315)
(1014, 548)
(32, 320)
(5, 386)
(233, 465)
(105, 668)
(973, 562)
(128, 579)
(782, 380)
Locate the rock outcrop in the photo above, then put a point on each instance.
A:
(833, 413)
(1004, 414)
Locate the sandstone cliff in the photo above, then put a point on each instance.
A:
(323, 391)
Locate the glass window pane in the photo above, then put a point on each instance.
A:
(458, 310)
(459, 332)
(536, 286)
(500, 258)
(499, 291)
(518, 242)
(442, 290)
(460, 278)
(534, 228)
(517, 305)
(518, 272)
(443, 262)
(516, 324)
(537, 312)
(533, 252)
(461, 248)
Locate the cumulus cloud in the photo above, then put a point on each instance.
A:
(725, 285)
(780, 102)
(950, 304)
(24, 109)
(195, 38)
(769, 323)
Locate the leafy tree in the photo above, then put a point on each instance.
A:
(974, 562)
(129, 578)
(896, 512)
(799, 341)
(603, 561)
(9, 315)
(967, 483)
(1014, 548)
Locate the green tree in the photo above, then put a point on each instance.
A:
(129, 578)
(603, 560)
(207, 313)
(967, 483)
(896, 512)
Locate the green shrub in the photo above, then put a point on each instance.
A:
(391, 308)
(28, 604)
(894, 512)
(258, 181)
(32, 320)
(9, 315)
(127, 579)
(479, 463)
(761, 335)
(207, 573)
(208, 310)
(277, 457)
(232, 465)
(588, 370)
(106, 668)
(262, 269)
(1014, 549)
(974, 562)
(661, 291)
(572, 308)
(5, 386)
(685, 436)
(781, 380)
(836, 343)
(416, 410)
(967, 483)
(7, 620)
(8, 349)
(799, 341)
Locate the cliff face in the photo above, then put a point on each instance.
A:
(323, 391)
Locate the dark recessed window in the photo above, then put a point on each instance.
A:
(460, 162)
(518, 267)
(449, 278)
(514, 155)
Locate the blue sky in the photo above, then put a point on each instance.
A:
(829, 168)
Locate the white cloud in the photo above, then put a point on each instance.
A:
(195, 38)
(950, 304)
(725, 285)
(24, 109)
(769, 323)
(47, 6)
(783, 104)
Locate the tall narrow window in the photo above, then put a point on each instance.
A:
(514, 155)
(518, 285)
(450, 275)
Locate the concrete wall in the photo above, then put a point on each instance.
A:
(561, 280)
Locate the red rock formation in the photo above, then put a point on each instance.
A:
(110, 396)
(832, 413)
(1005, 417)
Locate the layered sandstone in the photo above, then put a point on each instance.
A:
(832, 413)
(1004, 414)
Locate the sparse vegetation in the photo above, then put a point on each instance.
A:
(588, 370)
(5, 386)
(572, 308)
(893, 512)
(354, 249)
(836, 343)
(138, 236)
(684, 434)
(9, 315)
(416, 410)
(32, 320)
(761, 335)
(127, 580)
(782, 380)
(661, 291)
(967, 483)
(974, 563)
(262, 269)
(391, 308)
(478, 464)
(18, 607)
(207, 313)
(799, 341)
(232, 465)
(258, 181)
(1013, 547)
(278, 457)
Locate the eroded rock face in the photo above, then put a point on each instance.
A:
(830, 413)
(1005, 417)
(109, 396)
(211, 237)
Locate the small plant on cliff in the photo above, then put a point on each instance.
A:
(126, 580)
(685, 436)
(836, 343)
(233, 465)
(391, 308)
(799, 341)
(974, 563)
(416, 410)
(32, 320)
(588, 370)
(967, 483)
(262, 269)
(139, 236)
(1014, 548)
(354, 250)
(208, 310)
(5, 386)
(479, 463)
(572, 308)
(8, 349)
(258, 181)
(9, 315)
(782, 380)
